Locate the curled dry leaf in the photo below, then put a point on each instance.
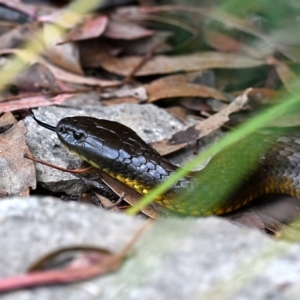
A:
(161, 64)
(17, 173)
(182, 138)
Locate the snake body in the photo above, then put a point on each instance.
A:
(262, 163)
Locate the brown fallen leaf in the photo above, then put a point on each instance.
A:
(17, 173)
(74, 78)
(179, 86)
(182, 138)
(178, 112)
(220, 41)
(31, 102)
(92, 27)
(161, 64)
(66, 55)
(167, 87)
(6, 121)
(36, 78)
(131, 196)
(101, 264)
(63, 75)
(107, 204)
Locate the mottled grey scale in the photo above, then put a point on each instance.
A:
(150, 165)
(155, 174)
(136, 162)
(143, 168)
(130, 168)
(124, 154)
(142, 159)
(127, 161)
(161, 170)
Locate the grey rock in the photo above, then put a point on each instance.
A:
(149, 121)
(192, 258)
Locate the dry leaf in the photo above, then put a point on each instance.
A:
(107, 204)
(92, 27)
(161, 64)
(178, 86)
(17, 173)
(6, 121)
(182, 138)
(36, 78)
(73, 78)
(31, 102)
(131, 196)
(220, 41)
(65, 56)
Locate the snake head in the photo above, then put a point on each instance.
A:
(114, 147)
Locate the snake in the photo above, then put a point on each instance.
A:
(264, 162)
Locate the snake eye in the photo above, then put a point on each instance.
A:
(77, 135)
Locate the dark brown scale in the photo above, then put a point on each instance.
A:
(265, 162)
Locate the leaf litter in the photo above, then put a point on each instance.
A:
(122, 45)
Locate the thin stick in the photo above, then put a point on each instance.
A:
(37, 160)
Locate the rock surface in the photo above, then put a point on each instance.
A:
(175, 259)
